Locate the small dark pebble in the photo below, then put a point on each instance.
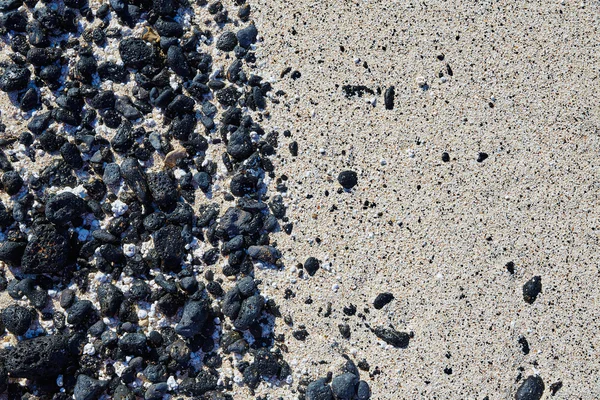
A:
(481, 157)
(532, 288)
(382, 299)
(348, 179)
(532, 388)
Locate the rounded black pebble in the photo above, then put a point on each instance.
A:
(16, 319)
(445, 157)
(319, 390)
(227, 41)
(15, 77)
(382, 299)
(311, 265)
(12, 182)
(532, 388)
(348, 179)
(88, 388)
(135, 53)
(344, 386)
(532, 288)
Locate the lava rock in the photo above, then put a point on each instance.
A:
(319, 390)
(246, 36)
(232, 302)
(163, 189)
(12, 182)
(240, 144)
(15, 77)
(110, 298)
(112, 174)
(344, 386)
(264, 253)
(249, 312)
(133, 343)
(12, 252)
(195, 314)
(79, 312)
(46, 252)
(382, 299)
(227, 41)
(16, 319)
(532, 388)
(348, 179)
(88, 388)
(392, 336)
(64, 208)
(135, 178)
(41, 357)
(135, 53)
(170, 246)
(532, 288)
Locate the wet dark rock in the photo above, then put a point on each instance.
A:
(532, 388)
(46, 252)
(45, 356)
(348, 179)
(64, 208)
(16, 319)
(532, 288)
(382, 299)
(88, 388)
(344, 386)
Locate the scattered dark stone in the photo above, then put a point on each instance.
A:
(133, 343)
(300, 334)
(247, 36)
(249, 312)
(364, 391)
(555, 387)
(79, 312)
(110, 298)
(12, 252)
(445, 157)
(392, 337)
(348, 179)
(344, 330)
(388, 98)
(524, 345)
(170, 245)
(15, 77)
(532, 388)
(532, 288)
(481, 157)
(382, 299)
(356, 90)
(312, 265)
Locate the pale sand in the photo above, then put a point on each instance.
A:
(535, 197)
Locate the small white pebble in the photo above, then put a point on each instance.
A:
(335, 287)
(119, 208)
(89, 349)
(129, 249)
(59, 380)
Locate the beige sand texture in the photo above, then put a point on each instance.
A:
(438, 235)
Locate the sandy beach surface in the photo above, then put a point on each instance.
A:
(511, 93)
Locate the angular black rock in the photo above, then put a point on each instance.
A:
(16, 319)
(195, 314)
(46, 252)
(319, 390)
(382, 299)
(392, 336)
(64, 208)
(88, 388)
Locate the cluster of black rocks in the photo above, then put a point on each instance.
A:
(58, 243)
